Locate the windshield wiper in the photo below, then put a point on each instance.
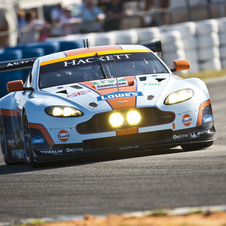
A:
(101, 66)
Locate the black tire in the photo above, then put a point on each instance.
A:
(3, 142)
(197, 146)
(27, 142)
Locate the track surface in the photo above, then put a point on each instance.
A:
(120, 183)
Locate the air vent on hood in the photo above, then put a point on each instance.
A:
(143, 78)
(63, 91)
(76, 87)
(93, 104)
(160, 79)
(150, 97)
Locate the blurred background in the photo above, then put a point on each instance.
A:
(188, 29)
(58, 18)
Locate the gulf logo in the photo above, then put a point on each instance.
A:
(187, 120)
(63, 135)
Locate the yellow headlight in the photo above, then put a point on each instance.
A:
(57, 111)
(62, 111)
(116, 119)
(179, 96)
(68, 111)
(133, 117)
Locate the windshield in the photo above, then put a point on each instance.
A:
(99, 67)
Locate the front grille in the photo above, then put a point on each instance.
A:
(128, 140)
(149, 117)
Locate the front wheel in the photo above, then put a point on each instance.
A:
(27, 142)
(197, 146)
(3, 141)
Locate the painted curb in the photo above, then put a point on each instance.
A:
(171, 212)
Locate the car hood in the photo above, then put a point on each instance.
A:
(113, 94)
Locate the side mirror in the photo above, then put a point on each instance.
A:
(180, 65)
(14, 86)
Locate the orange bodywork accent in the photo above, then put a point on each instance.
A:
(44, 132)
(14, 86)
(126, 102)
(128, 131)
(180, 65)
(91, 50)
(11, 113)
(80, 53)
(202, 106)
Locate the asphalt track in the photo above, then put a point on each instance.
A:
(121, 182)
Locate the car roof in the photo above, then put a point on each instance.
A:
(83, 51)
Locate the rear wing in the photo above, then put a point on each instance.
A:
(154, 46)
(16, 64)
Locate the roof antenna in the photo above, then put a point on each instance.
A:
(86, 43)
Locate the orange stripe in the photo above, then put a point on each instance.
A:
(44, 132)
(128, 131)
(202, 106)
(76, 55)
(91, 50)
(129, 101)
(11, 113)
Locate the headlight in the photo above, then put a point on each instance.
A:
(133, 117)
(61, 111)
(179, 96)
(116, 119)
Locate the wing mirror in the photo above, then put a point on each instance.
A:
(14, 86)
(17, 85)
(180, 65)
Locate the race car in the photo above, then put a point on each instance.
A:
(99, 99)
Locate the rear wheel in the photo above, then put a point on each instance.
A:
(197, 146)
(3, 141)
(27, 142)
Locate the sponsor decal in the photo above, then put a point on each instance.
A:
(187, 120)
(197, 134)
(17, 63)
(180, 136)
(110, 83)
(74, 150)
(207, 118)
(63, 135)
(119, 95)
(78, 93)
(129, 147)
(38, 140)
(53, 152)
(151, 84)
(91, 60)
(18, 153)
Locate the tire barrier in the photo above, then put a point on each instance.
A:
(125, 37)
(208, 53)
(206, 27)
(148, 34)
(212, 39)
(211, 65)
(186, 29)
(104, 39)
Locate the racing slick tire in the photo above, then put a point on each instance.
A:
(3, 142)
(197, 146)
(27, 142)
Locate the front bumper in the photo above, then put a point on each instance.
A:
(148, 140)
